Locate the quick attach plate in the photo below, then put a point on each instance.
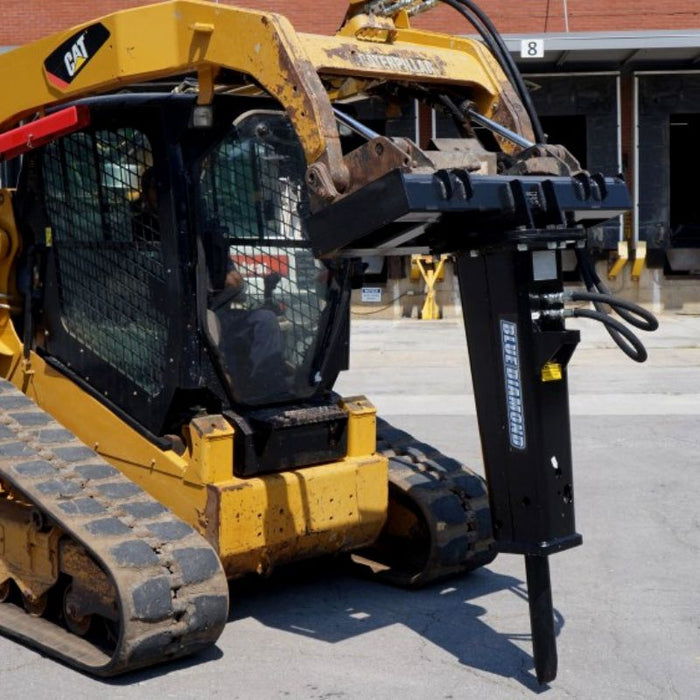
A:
(451, 210)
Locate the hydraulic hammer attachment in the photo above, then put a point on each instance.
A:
(506, 234)
(519, 376)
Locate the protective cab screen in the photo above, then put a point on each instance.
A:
(267, 293)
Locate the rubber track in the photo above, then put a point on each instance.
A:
(171, 589)
(452, 500)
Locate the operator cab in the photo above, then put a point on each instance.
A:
(168, 264)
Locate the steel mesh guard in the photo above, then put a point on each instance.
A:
(108, 250)
(254, 190)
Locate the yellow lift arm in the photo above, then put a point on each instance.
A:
(300, 70)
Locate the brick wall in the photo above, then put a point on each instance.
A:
(24, 20)
(535, 16)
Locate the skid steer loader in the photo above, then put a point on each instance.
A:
(189, 190)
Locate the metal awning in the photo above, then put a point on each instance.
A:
(603, 51)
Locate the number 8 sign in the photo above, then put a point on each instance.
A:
(532, 48)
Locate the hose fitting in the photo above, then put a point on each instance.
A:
(624, 338)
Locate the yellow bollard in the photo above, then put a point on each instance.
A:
(622, 257)
(431, 274)
(640, 254)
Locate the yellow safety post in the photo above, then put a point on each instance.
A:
(640, 255)
(622, 258)
(431, 272)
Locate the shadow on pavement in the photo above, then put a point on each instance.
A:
(332, 603)
(161, 670)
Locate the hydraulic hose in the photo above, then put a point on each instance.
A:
(632, 313)
(593, 283)
(625, 339)
(599, 295)
(492, 38)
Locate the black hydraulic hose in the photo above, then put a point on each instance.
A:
(586, 269)
(481, 22)
(625, 339)
(600, 294)
(634, 314)
(507, 62)
(489, 37)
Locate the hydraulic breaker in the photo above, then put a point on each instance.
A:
(519, 375)
(507, 234)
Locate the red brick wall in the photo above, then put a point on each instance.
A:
(23, 20)
(535, 16)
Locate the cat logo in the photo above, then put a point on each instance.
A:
(71, 57)
(77, 55)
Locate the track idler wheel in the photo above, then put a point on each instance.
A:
(35, 605)
(438, 521)
(76, 622)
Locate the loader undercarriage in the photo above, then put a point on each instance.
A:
(110, 580)
(438, 523)
(120, 564)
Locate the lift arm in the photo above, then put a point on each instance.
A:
(302, 71)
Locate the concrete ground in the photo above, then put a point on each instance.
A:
(627, 601)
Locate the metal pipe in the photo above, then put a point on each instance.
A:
(635, 159)
(499, 129)
(387, 8)
(357, 127)
(422, 7)
(618, 93)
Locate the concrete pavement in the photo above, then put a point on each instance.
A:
(627, 601)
